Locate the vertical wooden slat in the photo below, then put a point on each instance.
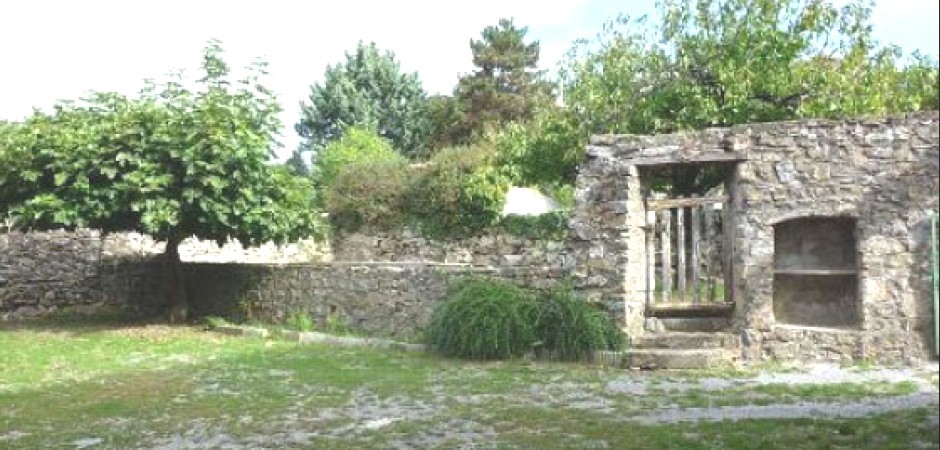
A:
(696, 225)
(727, 242)
(708, 250)
(666, 251)
(650, 257)
(680, 254)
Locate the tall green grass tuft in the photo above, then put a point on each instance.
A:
(571, 329)
(483, 319)
(493, 319)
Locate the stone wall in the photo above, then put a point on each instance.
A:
(196, 250)
(494, 250)
(41, 273)
(393, 300)
(879, 174)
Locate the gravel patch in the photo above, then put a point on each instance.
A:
(802, 410)
(815, 374)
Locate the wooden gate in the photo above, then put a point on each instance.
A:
(688, 249)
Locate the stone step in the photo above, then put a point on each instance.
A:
(658, 358)
(693, 324)
(687, 340)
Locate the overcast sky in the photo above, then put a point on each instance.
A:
(62, 49)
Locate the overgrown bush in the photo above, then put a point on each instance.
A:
(553, 225)
(571, 329)
(356, 145)
(460, 193)
(544, 152)
(299, 320)
(369, 193)
(493, 319)
(483, 319)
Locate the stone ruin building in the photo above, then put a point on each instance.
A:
(811, 241)
(822, 248)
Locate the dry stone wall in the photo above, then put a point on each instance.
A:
(494, 250)
(42, 273)
(880, 175)
(392, 299)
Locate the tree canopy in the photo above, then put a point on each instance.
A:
(722, 62)
(505, 86)
(369, 90)
(172, 163)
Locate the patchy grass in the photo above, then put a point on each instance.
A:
(77, 384)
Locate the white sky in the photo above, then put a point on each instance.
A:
(52, 50)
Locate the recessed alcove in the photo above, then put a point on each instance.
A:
(816, 272)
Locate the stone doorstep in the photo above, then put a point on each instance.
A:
(694, 324)
(659, 358)
(688, 340)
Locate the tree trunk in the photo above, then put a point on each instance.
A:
(174, 283)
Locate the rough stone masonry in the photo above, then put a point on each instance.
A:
(878, 175)
(875, 179)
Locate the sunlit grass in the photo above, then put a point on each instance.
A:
(140, 385)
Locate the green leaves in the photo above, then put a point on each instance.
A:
(170, 163)
(367, 90)
(722, 62)
(505, 86)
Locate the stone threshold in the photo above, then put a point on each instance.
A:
(788, 327)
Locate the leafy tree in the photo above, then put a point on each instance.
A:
(505, 86)
(171, 164)
(545, 151)
(449, 125)
(297, 165)
(723, 62)
(369, 90)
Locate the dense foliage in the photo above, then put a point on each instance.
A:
(571, 329)
(356, 144)
(372, 193)
(724, 62)
(459, 193)
(484, 318)
(172, 163)
(369, 90)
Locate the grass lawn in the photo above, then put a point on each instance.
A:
(85, 385)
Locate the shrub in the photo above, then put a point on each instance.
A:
(369, 193)
(493, 319)
(553, 225)
(483, 319)
(571, 329)
(356, 145)
(459, 194)
(543, 152)
(299, 321)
